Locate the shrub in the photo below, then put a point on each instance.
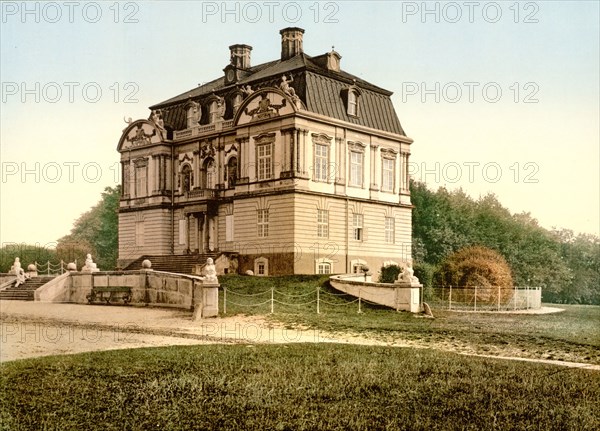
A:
(389, 274)
(477, 267)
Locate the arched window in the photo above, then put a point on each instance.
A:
(187, 178)
(209, 173)
(232, 165)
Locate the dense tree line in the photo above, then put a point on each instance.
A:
(566, 266)
(94, 232)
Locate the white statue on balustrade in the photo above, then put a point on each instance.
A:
(89, 266)
(210, 272)
(407, 275)
(18, 272)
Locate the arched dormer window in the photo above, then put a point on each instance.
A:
(351, 97)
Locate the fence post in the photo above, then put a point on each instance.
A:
(475, 297)
(359, 302)
(450, 299)
(498, 298)
(48, 263)
(318, 296)
(272, 293)
(224, 299)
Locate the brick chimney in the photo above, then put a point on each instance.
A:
(240, 56)
(291, 42)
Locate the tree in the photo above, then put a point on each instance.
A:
(95, 232)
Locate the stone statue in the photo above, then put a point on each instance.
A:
(89, 266)
(18, 272)
(210, 272)
(158, 121)
(247, 90)
(220, 109)
(286, 87)
(407, 275)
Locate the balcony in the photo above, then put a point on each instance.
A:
(202, 130)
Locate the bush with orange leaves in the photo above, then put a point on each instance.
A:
(476, 274)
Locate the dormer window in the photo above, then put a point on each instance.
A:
(352, 103)
(216, 109)
(351, 97)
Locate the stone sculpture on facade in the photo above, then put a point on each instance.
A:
(289, 90)
(158, 121)
(247, 90)
(89, 266)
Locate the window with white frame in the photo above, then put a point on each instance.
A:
(321, 162)
(324, 268)
(352, 103)
(264, 161)
(356, 168)
(388, 174)
(263, 222)
(390, 229)
(357, 225)
(261, 266)
(323, 223)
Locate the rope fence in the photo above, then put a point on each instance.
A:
(50, 268)
(449, 298)
(277, 299)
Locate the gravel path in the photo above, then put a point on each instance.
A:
(32, 329)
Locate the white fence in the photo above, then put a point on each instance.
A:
(50, 268)
(483, 298)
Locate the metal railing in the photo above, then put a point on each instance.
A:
(483, 298)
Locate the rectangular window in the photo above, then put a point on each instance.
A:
(322, 223)
(321, 162)
(390, 229)
(264, 155)
(261, 269)
(263, 223)
(388, 174)
(140, 182)
(356, 169)
(357, 223)
(352, 103)
(229, 227)
(324, 268)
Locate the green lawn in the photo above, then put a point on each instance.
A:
(572, 335)
(293, 387)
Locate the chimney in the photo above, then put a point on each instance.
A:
(291, 42)
(240, 56)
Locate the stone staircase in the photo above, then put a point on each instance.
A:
(182, 264)
(24, 292)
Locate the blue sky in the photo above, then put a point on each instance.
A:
(500, 97)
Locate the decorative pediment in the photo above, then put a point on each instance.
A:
(139, 133)
(232, 149)
(321, 138)
(389, 152)
(264, 138)
(263, 104)
(356, 146)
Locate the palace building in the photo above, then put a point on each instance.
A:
(288, 167)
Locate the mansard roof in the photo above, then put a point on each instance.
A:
(319, 88)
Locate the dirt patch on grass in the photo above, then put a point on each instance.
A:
(30, 329)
